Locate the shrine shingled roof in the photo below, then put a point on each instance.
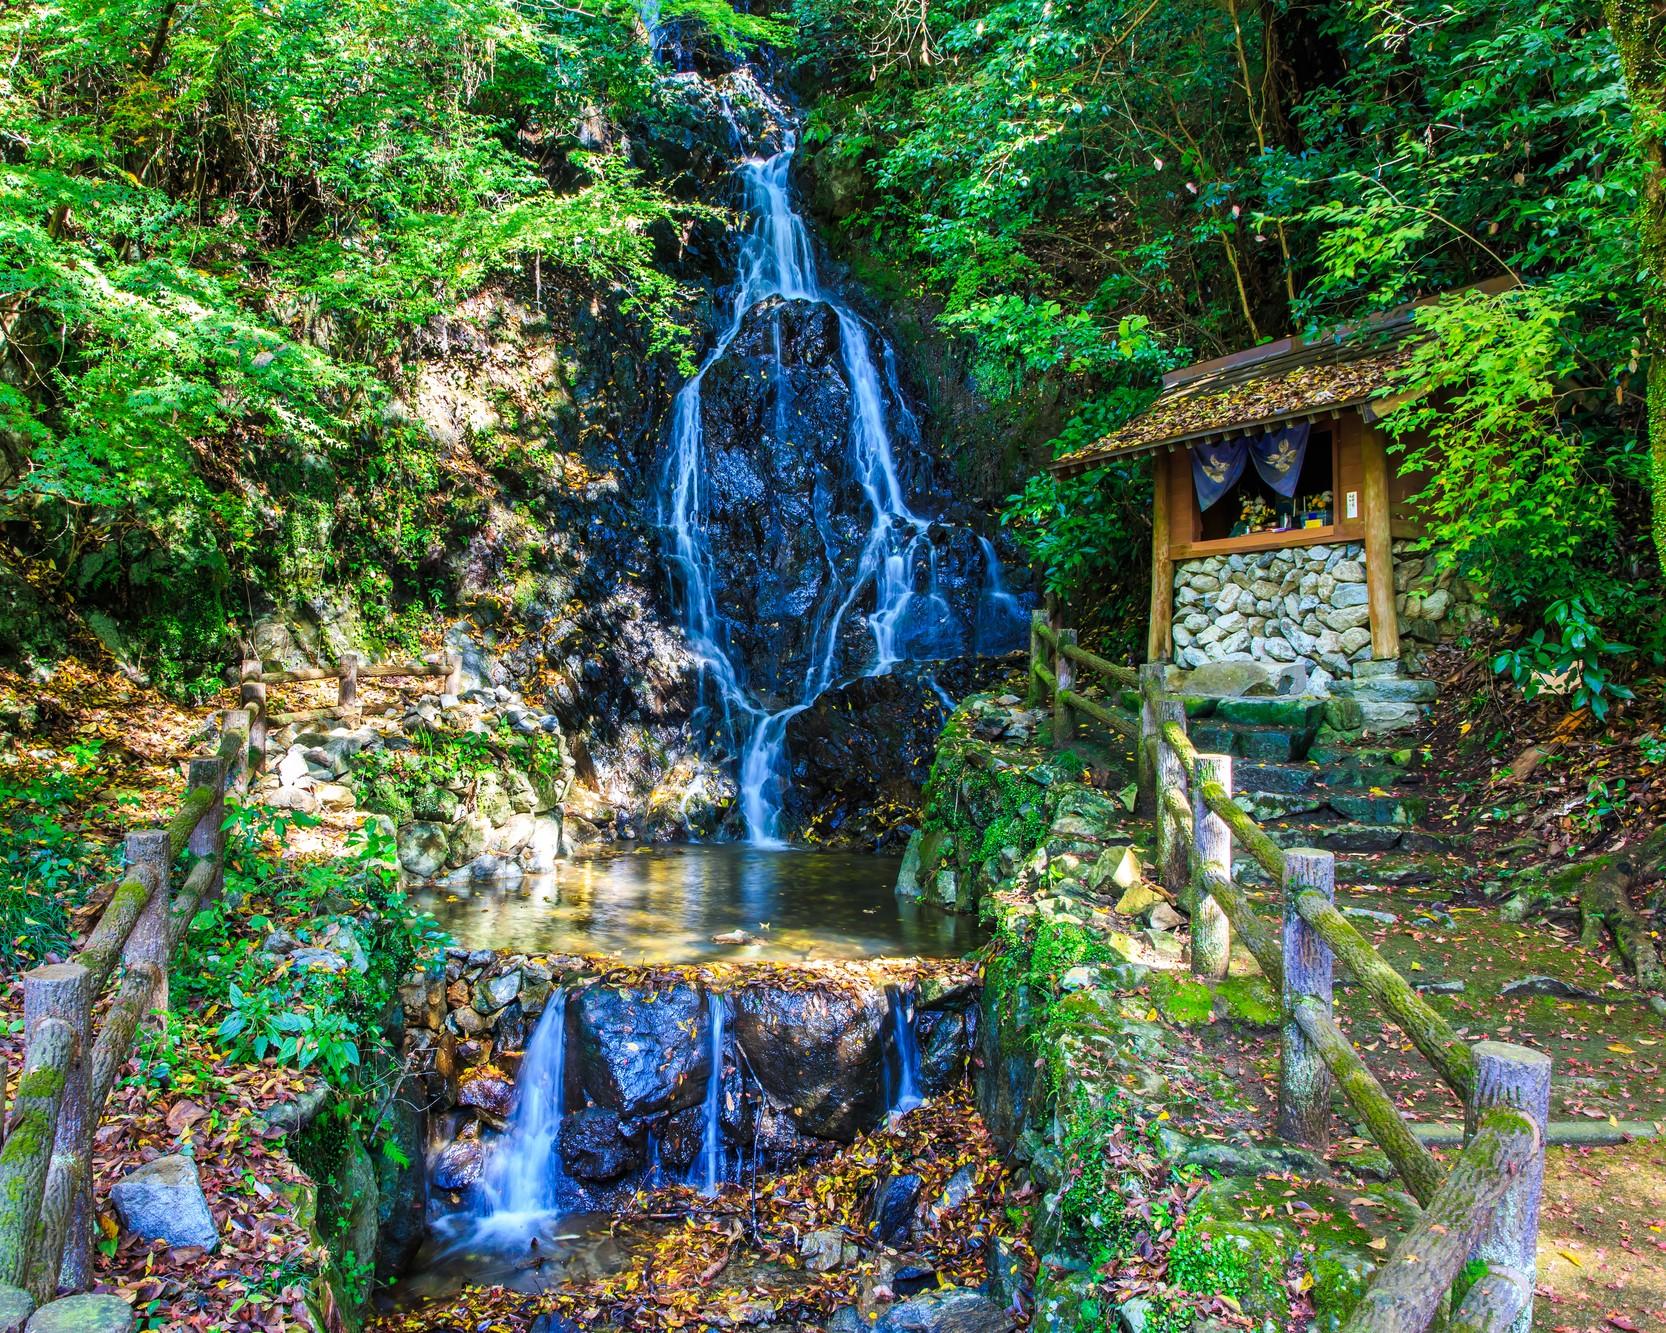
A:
(1249, 391)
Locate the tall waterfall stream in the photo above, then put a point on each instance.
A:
(891, 586)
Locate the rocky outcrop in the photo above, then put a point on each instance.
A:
(818, 1053)
(803, 1064)
(639, 1056)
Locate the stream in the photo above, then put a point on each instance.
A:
(668, 904)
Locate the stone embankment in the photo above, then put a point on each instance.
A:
(1115, 1080)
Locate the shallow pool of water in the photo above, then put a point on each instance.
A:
(667, 905)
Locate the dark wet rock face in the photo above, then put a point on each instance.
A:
(862, 752)
(594, 1147)
(638, 1056)
(818, 1053)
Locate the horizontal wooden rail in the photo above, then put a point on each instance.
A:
(1414, 1163)
(1429, 1032)
(1103, 665)
(1117, 722)
(1046, 677)
(1411, 1286)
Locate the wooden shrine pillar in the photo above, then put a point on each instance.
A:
(1379, 547)
(1162, 563)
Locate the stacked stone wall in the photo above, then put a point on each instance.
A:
(1308, 606)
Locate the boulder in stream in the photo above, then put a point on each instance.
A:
(640, 1052)
(817, 1052)
(594, 1147)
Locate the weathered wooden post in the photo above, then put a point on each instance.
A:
(63, 991)
(208, 839)
(253, 697)
(1064, 674)
(1304, 1082)
(1173, 852)
(1033, 696)
(1212, 848)
(149, 858)
(347, 685)
(237, 721)
(1517, 1077)
(1151, 688)
(49, 1050)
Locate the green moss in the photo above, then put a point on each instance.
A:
(1249, 1000)
(1187, 1003)
(41, 1083)
(1214, 1257)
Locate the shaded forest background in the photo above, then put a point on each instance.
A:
(227, 230)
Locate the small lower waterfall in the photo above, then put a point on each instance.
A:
(525, 1173)
(711, 1138)
(902, 1064)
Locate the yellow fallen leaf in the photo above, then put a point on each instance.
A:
(1620, 1048)
(1381, 1243)
(1571, 1257)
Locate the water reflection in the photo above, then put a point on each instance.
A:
(665, 905)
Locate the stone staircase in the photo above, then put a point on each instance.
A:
(1318, 773)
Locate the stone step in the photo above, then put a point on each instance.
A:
(1292, 714)
(1387, 689)
(1347, 835)
(1264, 741)
(1263, 777)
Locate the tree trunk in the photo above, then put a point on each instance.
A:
(1639, 30)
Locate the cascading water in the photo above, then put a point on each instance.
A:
(1003, 621)
(525, 1175)
(902, 1071)
(711, 1139)
(894, 574)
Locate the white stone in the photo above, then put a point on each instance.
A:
(163, 1200)
(1204, 582)
(1279, 650)
(1229, 622)
(292, 767)
(1347, 617)
(1436, 604)
(1352, 640)
(1182, 636)
(1349, 594)
(1348, 571)
(1236, 642)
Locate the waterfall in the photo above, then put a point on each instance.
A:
(903, 1082)
(1003, 621)
(711, 1140)
(525, 1174)
(896, 556)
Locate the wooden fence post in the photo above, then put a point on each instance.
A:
(1151, 687)
(1518, 1077)
(253, 697)
(239, 773)
(63, 991)
(1211, 931)
(1304, 1082)
(347, 686)
(208, 839)
(1064, 673)
(148, 861)
(1033, 696)
(453, 672)
(1173, 852)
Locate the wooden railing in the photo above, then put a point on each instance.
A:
(1487, 1206)
(257, 681)
(71, 1061)
(1054, 657)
